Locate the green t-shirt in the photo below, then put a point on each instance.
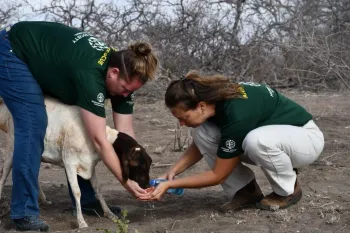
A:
(262, 106)
(68, 64)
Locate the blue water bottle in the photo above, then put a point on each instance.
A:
(176, 191)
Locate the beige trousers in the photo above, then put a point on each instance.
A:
(276, 149)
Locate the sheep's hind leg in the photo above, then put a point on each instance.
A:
(107, 212)
(5, 171)
(42, 197)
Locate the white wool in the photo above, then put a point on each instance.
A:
(66, 145)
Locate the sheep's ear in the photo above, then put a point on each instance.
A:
(147, 158)
(133, 156)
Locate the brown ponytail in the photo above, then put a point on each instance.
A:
(194, 88)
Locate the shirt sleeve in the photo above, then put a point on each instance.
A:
(123, 105)
(231, 141)
(91, 93)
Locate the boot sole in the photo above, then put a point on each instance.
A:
(237, 208)
(292, 202)
(43, 229)
(245, 206)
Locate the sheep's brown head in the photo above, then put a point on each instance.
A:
(134, 160)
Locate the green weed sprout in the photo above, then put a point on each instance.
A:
(122, 224)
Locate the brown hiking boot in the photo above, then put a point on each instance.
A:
(247, 196)
(274, 201)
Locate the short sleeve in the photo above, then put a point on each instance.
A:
(231, 141)
(123, 105)
(91, 93)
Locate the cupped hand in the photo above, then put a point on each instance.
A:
(155, 194)
(134, 188)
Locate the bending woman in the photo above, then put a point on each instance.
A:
(234, 123)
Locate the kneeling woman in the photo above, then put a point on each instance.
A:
(234, 123)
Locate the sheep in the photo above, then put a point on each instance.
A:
(68, 146)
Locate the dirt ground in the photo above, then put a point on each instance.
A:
(325, 206)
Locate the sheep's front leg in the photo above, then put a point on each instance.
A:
(107, 212)
(73, 182)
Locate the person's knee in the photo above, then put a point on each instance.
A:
(206, 140)
(206, 132)
(199, 135)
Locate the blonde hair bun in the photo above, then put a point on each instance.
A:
(141, 48)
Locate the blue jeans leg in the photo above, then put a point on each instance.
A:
(87, 192)
(25, 101)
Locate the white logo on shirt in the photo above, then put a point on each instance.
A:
(270, 91)
(252, 84)
(100, 100)
(230, 145)
(79, 36)
(100, 97)
(97, 44)
(131, 101)
(93, 41)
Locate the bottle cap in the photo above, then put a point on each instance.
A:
(154, 182)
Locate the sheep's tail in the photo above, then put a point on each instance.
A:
(5, 117)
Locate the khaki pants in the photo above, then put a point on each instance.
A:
(276, 149)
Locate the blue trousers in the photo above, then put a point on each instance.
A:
(25, 100)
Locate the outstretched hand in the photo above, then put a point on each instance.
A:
(170, 175)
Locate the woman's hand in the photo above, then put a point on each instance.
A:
(155, 194)
(134, 188)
